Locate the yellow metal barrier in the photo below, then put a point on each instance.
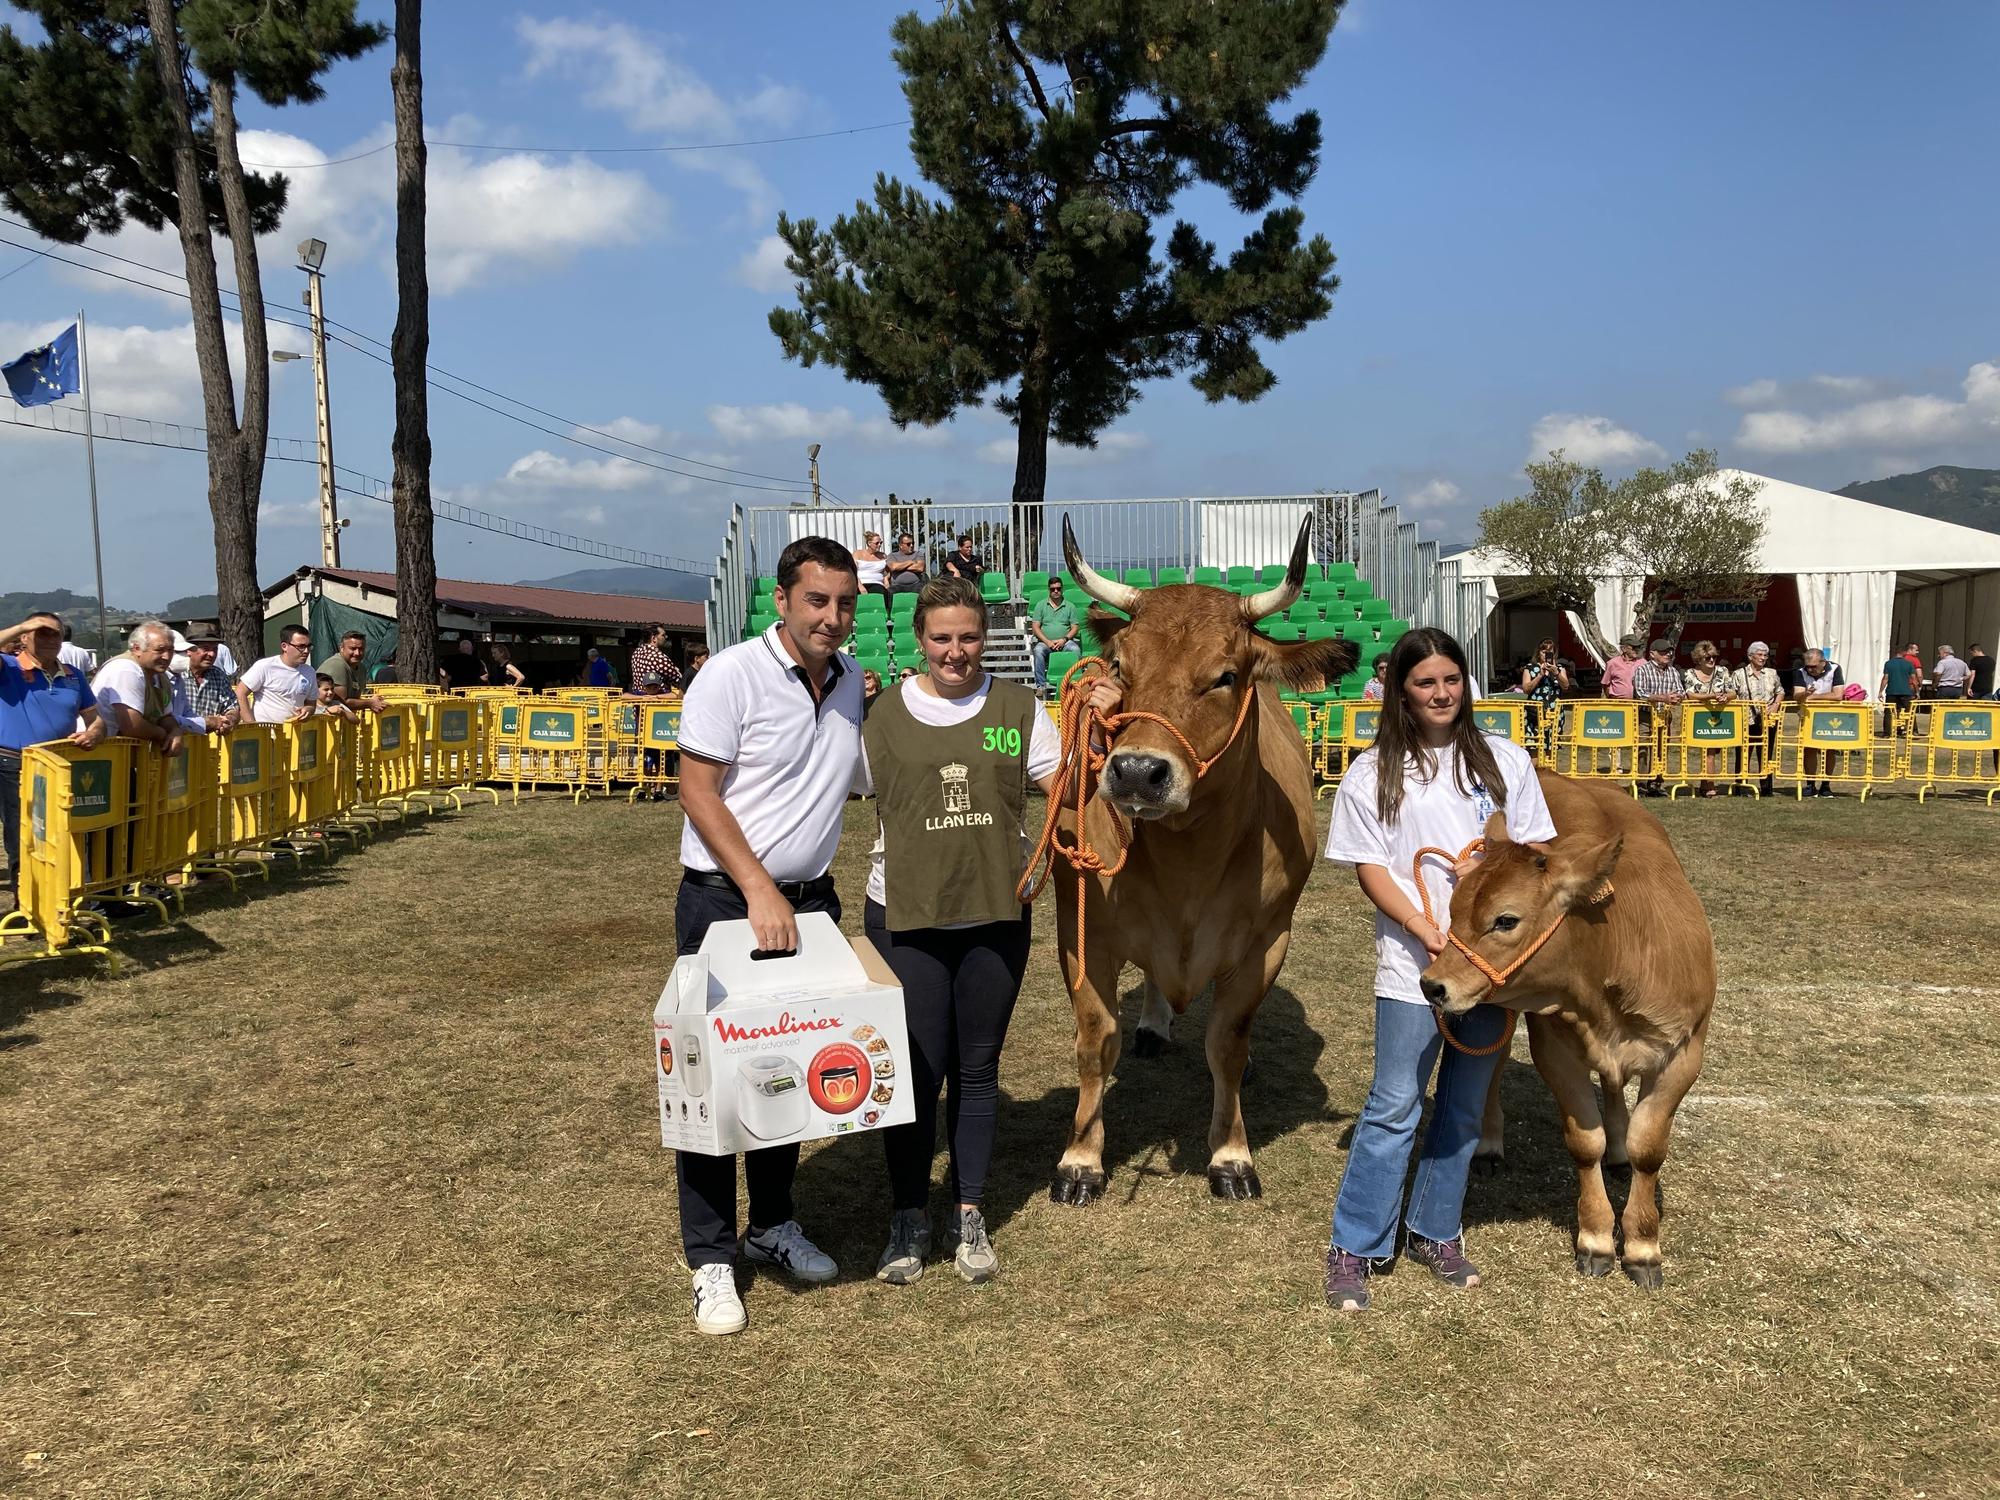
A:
(651, 727)
(1836, 743)
(455, 734)
(1602, 739)
(392, 758)
(1961, 749)
(1706, 746)
(551, 747)
(78, 840)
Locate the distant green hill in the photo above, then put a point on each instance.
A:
(1967, 497)
(78, 610)
(190, 607)
(643, 583)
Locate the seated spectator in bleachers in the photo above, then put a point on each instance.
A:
(350, 683)
(1054, 626)
(964, 563)
(144, 700)
(906, 569)
(41, 699)
(1377, 684)
(206, 685)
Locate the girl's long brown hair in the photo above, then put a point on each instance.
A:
(1397, 737)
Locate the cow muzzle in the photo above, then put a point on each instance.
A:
(1454, 994)
(1141, 784)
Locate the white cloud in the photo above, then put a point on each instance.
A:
(527, 210)
(1898, 421)
(791, 421)
(1813, 390)
(631, 74)
(763, 269)
(288, 513)
(543, 470)
(1110, 448)
(1589, 440)
(1433, 494)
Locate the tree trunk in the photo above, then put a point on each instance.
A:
(232, 496)
(1593, 630)
(1031, 469)
(416, 556)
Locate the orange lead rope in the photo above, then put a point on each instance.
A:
(1076, 775)
(1497, 977)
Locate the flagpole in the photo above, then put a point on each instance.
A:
(90, 452)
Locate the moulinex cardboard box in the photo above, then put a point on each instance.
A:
(752, 1052)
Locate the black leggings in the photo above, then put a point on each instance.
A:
(959, 987)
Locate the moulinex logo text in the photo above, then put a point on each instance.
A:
(728, 1031)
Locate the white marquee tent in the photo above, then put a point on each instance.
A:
(1867, 575)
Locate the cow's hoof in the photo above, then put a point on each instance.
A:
(1146, 1043)
(1490, 1164)
(1646, 1275)
(1234, 1180)
(1075, 1187)
(1594, 1265)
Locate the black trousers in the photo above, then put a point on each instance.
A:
(708, 1183)
(959, 988)
(10, 812)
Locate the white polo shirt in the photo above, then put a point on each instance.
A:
(791, 762)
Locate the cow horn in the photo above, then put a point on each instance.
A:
(1274, 601)
(1118, 595)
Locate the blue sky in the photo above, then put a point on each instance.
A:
(1767, 228)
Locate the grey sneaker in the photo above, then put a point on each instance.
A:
(975, 1260)
(1446, 1258)
(1347, 1280)
(909, 1243)
(786, 1247)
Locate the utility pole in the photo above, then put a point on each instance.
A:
(312, 255)
(812, 460)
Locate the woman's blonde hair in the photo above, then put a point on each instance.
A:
(949, 592)
(1703, 651)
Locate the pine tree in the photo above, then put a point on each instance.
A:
(1057, 133)
(128, 111)
(416, 551)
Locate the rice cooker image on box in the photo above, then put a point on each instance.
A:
(694, 1057)
(771, 1097)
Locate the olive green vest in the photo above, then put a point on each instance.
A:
(951, 802)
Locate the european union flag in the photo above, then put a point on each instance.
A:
(46, 374)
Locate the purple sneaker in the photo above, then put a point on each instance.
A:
(1347, 1280)
(1446, 1258)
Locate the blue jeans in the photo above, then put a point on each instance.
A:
(1407, 1045)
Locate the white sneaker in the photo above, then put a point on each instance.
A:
(717, 1307)
(787, 1248)
(909, 1242)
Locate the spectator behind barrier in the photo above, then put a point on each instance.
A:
(278, 689)
(649, 659)
(350, 683)
(500, 668)
(330, 703)
(460, 668)
(73, 655)
(1623, 667)
(41, 699)
(142, 698)
(596, 670)
(1981, 667)
(1951, 674)
(1817, 678)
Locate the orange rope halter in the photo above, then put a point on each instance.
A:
(1496, 977)
(1076, 773)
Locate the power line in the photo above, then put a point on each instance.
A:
(183, 438)
(774, 140)
(20, 268)
(794, 485)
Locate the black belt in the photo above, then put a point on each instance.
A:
(793, 891)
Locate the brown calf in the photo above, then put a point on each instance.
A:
(1623, 989)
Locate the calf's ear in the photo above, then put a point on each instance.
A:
(1303, 666)
(1496, 831)
(1580, 875)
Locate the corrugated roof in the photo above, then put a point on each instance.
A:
(514, 601)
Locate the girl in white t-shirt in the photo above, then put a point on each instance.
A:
(1430, 780)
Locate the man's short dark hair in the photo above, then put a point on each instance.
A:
(655, 629)
(823, 550)
(354, 635)
(291, 633)
(964, 538)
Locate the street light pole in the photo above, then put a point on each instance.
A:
(812, 460)
(312, 255)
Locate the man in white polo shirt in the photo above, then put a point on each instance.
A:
(285, 686)
(770, 740)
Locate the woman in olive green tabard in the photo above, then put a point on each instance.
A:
(949, 754)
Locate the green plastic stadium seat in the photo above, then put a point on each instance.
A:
(1035, 586)
(993, 587)
(1210, 576)
(1279, 630)
(1060, 662)
(871, 604)
(1271, 573)
(1319, 630)
(903, 604)
(1070, 590)
(1315, 573)
(1354, 684)
(1322, 589)
(766, 583)
(1340, 572)
(1241, 574)
(1376, 609)
(1173, 575)
(1303, 613)
(1140, 578)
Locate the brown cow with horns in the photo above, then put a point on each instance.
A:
(1623, 988)
(1217, 856)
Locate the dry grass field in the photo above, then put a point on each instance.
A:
(353, 1187)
